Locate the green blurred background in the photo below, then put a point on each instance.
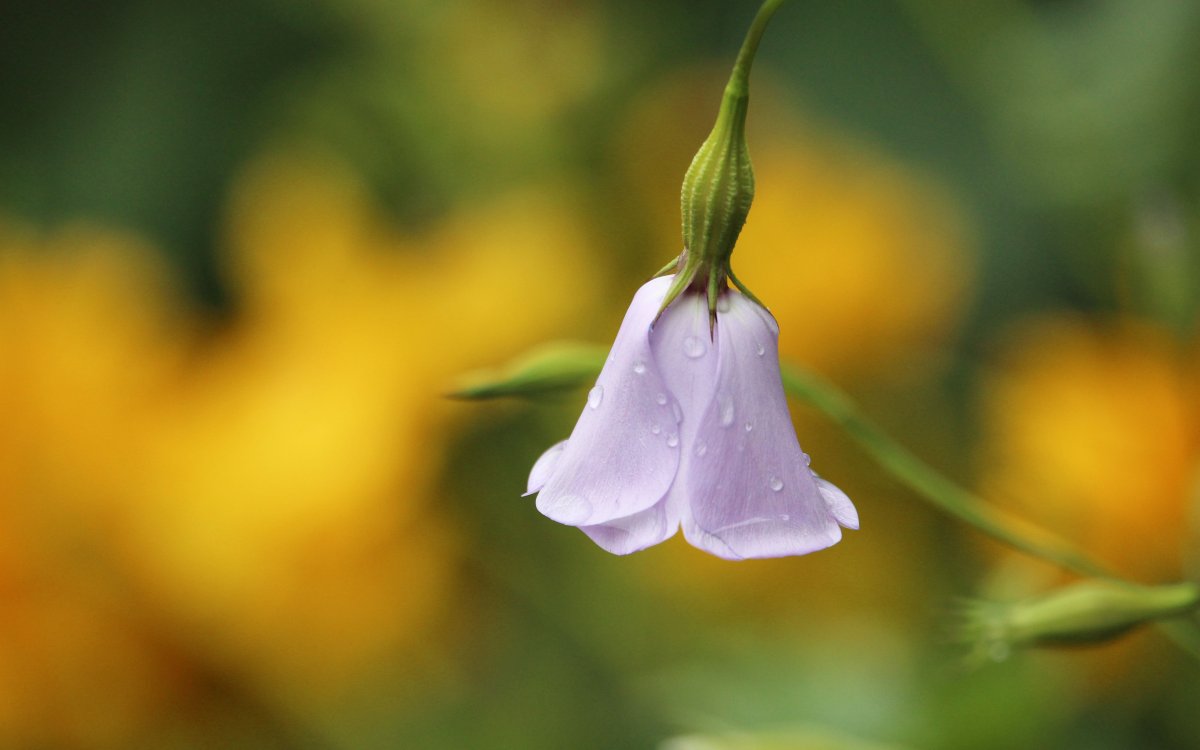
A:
(245, 247)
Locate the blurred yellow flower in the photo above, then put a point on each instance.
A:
(83, 352)
(865, 264)
(1091, 429)
(491, 90)
(315, 430)
(521, 63)
(258, 495)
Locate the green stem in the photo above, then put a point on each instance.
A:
(958, 502)
(739, 79)
(931, 485)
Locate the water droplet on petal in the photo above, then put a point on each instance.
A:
(701, 447)
(749, 426)
(761, 350)
(639, 367)
(776, 485)
(807, 459)
(723, 303)
(655, 429)
(672, 440)
(677, 412)
(568, 509)
(725, 403)
(595, 396)
(694, 347)
(661, 399)
(784, 517)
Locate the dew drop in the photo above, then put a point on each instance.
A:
(807, 459)
(655, 429)
(639, 367)
(672, 440)
(694, 347)
(723, 303)
(595, 396)
(677, 412)
(776, 485)
(701, 447)
(661, 399)
(749, 427)
(784, 517)
(725, 403)
(761, 350)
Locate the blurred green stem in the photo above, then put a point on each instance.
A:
(957, 501)
(929, 483)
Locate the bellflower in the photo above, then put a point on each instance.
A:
(687, 426)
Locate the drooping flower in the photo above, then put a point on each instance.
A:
(687, 426)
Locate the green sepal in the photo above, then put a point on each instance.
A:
(669, 268)
(742, 288)
(547, 370)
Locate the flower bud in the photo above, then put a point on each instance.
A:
(1089, 612)
(719, 187)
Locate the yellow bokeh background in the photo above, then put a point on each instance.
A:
(259, 493)
(247, 251)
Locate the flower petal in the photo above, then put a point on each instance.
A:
(755, 491)
(701, 539)
(838, 503)
(687, 358)
(622, 536)
(544, 467)
(615, 463)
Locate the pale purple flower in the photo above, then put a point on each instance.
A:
(688, 427)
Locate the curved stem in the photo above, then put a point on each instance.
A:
(931, 485)
(739, 79)
(959, 502)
